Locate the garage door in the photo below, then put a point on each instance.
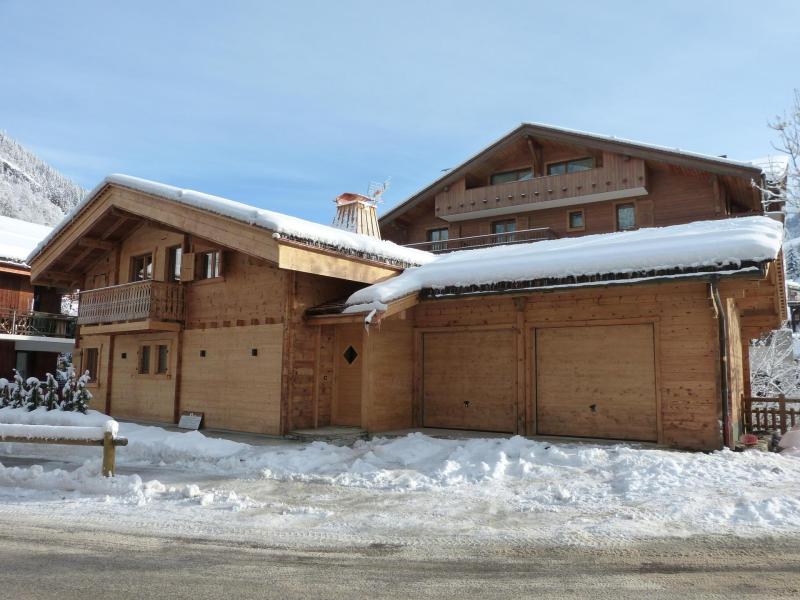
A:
(470, 380)
(596, 381)
(233, 375)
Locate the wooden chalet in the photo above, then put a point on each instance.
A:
(33, 332)
(268, 324)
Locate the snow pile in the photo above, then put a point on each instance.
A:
(790, 441)
(18, 238)
(85, 479)
(703, 244)
(153, 445)
(281, 224)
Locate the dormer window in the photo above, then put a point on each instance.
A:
(511, 176)
(570, 166)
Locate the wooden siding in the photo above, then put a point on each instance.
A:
(234, 388)
(146, 397)
(389, 358)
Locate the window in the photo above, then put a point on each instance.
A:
(90, 360)
(575, 220)
(626, 216)
(509, 176)
(570, 166)
(162, 359)
(504, 231)
(142, 267)
(144, 360)
(210, 264)
(175, 254)
(438, 237)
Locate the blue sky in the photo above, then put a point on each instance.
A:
(286, 104)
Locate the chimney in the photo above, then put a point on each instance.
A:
(357, 213)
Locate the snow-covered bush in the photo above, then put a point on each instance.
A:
(32, 393)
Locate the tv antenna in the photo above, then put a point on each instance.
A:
(376, 190)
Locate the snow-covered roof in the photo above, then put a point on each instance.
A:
(18, 238)
(282, 225)
(709, 245)
(774, 167)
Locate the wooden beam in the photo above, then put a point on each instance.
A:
(96, 243)
(535, 149)
(131, 327)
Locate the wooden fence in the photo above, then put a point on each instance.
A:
(771, 414)
(108, 441)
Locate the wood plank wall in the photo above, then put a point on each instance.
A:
(687, 346)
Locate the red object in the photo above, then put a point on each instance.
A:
(749, 439)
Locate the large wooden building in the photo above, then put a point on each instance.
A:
(33, 332)
(268, 324)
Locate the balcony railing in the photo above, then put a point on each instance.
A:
(490, 239)
(615, 179)
(38, 324)
(138, 301)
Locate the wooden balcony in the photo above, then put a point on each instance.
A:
(617, 178)
(484, 241)
(138, 306)
(36, 324)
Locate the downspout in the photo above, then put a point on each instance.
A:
(722, 322)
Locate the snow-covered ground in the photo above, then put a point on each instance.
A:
(414, 489)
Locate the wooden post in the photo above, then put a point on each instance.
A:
(782, 412)
(109, 454)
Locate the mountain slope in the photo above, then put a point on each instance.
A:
(30, 189)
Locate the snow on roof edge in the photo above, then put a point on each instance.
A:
(293, 227)
(702, 244)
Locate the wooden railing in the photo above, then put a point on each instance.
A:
(34, 323)
(158, 300)
(610, 180)
(771, 414)
(490, 239)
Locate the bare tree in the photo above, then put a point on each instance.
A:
(788, 128)
(773, 368)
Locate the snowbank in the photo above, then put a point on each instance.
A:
(721, 243)
(279, 223)
(153, 445)
(42, 416)
(18, 238)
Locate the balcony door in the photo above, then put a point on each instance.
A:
(142, 267)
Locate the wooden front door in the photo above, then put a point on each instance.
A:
(596, 381)
(346, 408)
(470, 380)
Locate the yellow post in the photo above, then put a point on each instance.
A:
(109, 454)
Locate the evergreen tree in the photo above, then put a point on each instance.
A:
(51, 400)
(5, 393)
(81, 396)
(68, 391)
(34, 394)
(18, 391)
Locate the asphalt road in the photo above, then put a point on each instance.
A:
(53, 562)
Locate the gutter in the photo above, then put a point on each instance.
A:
(722, 321)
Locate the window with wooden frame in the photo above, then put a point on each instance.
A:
(576, 220)
(504, 231)
(91, 360)
(144, 360)
(511, 176)
(210, 264)
(625, 216)
(575, 165)
(438, 238)
(162, 359)
(142, 267)
(174, 259)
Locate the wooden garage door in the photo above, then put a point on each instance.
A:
(596, 381)
(470, 380)
(233, 375)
